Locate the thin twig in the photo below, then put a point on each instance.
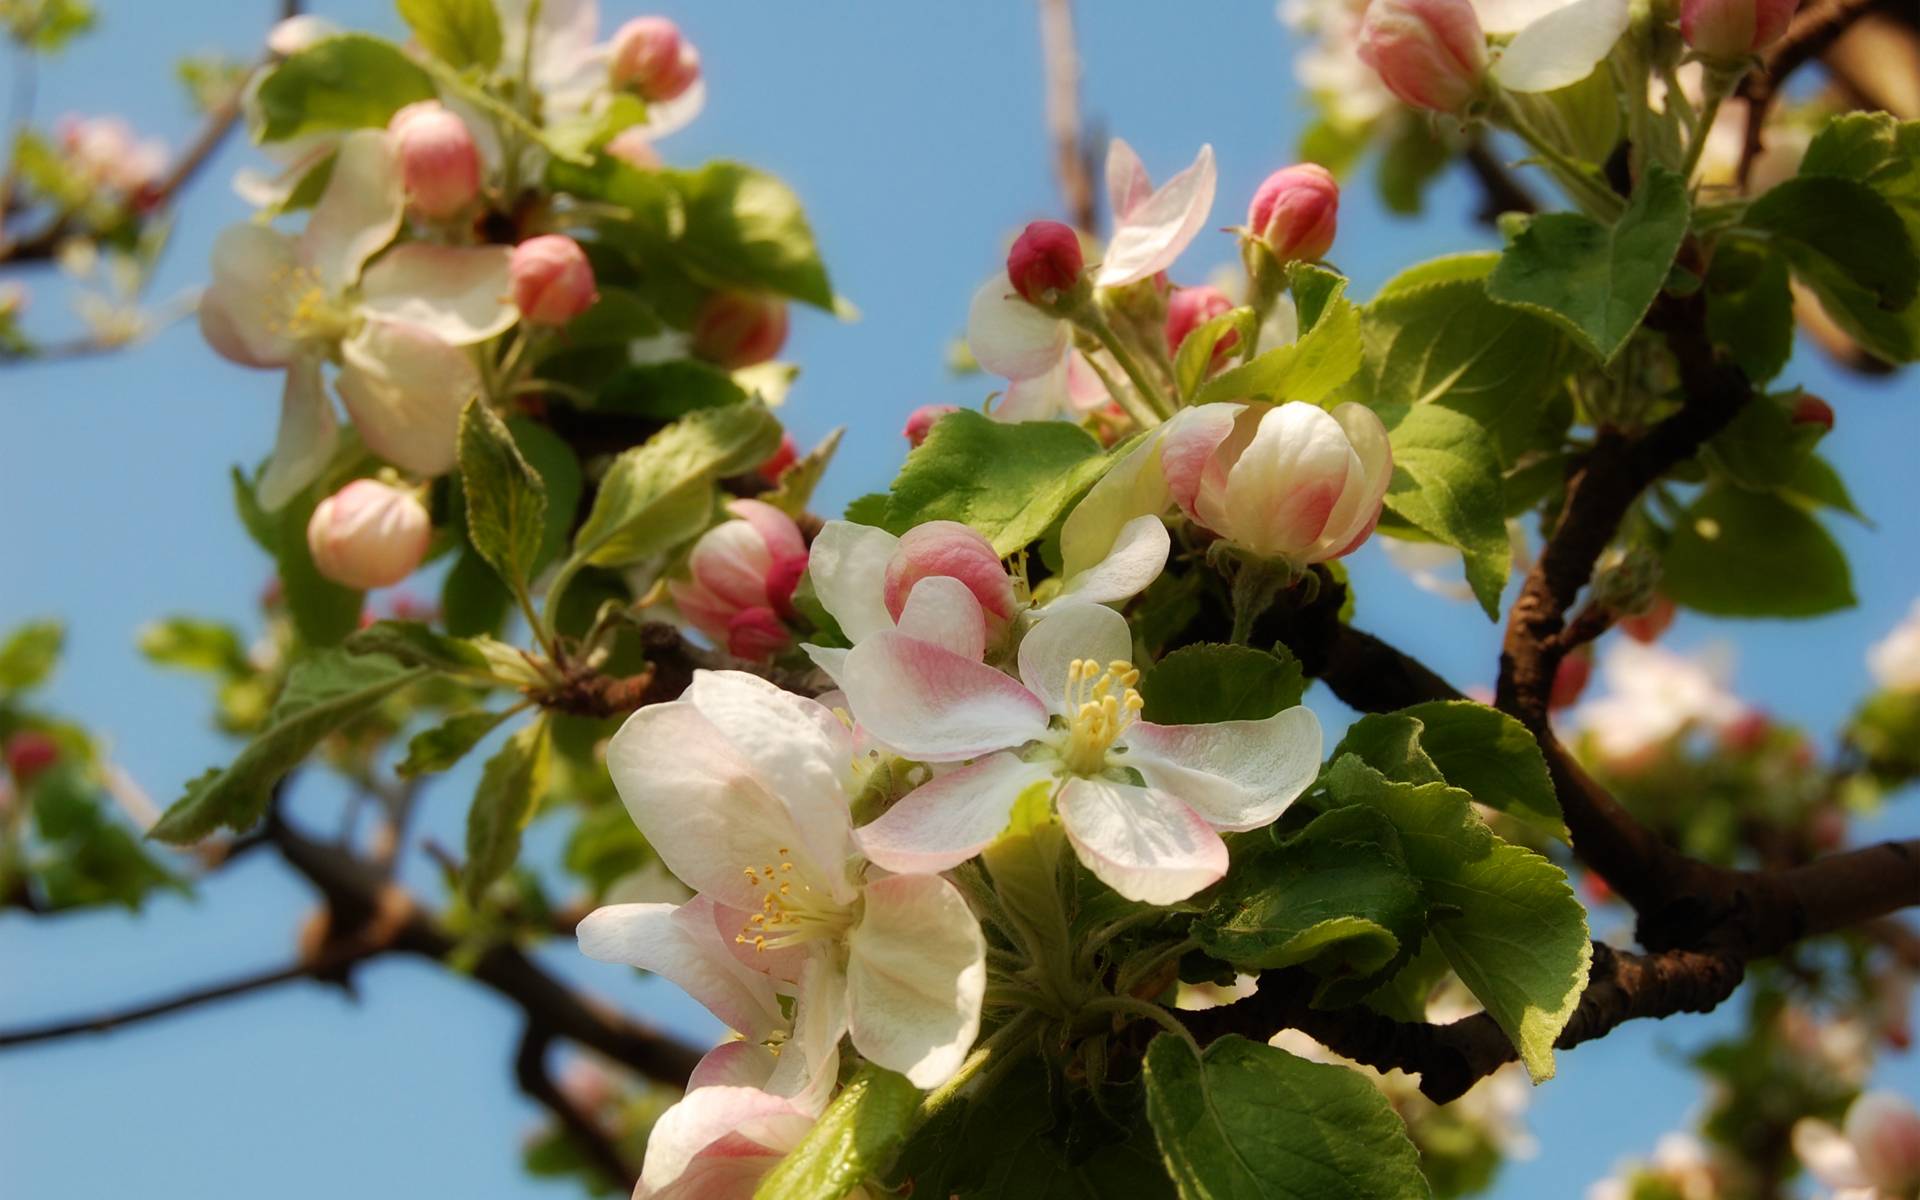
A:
(1072, 157)
(530, 1071)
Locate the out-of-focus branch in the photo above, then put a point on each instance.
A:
(530, 1071)
(1814, 29)
(1500, 191)
(1073, 156)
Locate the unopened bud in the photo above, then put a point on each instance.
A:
(369, 534)
(778, 462)
(1570, 678)
(1295, 211)
(1626, 579)
(1430, 53)
(1045, 262)
(1189, 309)
(438, 158)
(651, 59)
(552, 279)
(1732, 30)
(633, 147)
(1809, 409)
(739, 329)
(949, 548)
(922, 420)
(741, 578)
(29, 752)
(1648, 624)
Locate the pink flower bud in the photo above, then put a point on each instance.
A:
(1810, 409)
(949, 548)
(1570, 678)
(1648, 626)
(29, 752)
(633, 147)
(1430, 53)
(1730, 30)
(1290, 482)
(778, 462)
(1885, 1131)
(1294, 212)
(739, 329)
(552, 279)
(369, 535)
(1189, 309)
(743, 574)
(438, 158)
(1045, 262)
(651, 59)
(921, 421)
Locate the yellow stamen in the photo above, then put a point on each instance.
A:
(1100, 705)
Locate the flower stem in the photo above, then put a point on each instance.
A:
(1579, 179)
(1719, 85)
(1000, 1045)
(1128, 1006)
(1150, 407)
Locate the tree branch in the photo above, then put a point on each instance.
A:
(1072, 156)
(106, 1022)
(530, 1071)
(1500, 192)
(1813, 30)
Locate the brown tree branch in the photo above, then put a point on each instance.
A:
(530, 1071)
(1814, 28)
(1500, 191)
(1073, 156)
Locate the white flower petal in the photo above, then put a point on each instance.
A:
(1063, 635)
(1511, 16)
(246, 313)
(737, 1063)
(671, 116)
(1145, 845)
(308, 434)
(1127, 184)
(916, 973)
(685, 945)
(717, 1140)
(358, 213)
(459, 293)
(830, 659)
(932, 705)
(809, 1066)
(1238, 775)
(951, 818)
(1041, 397)
(1150, 237)
(848, 565)
(1138, 556)
(942, 610)
(404, 389)
(1828, 1155)
(1010, 337)
(1562, 47)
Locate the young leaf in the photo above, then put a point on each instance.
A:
(746, 229)
(1194, 358)
(795, 490)
(1750, 307)
(191, 644)
(1198, 685)
(1247, 1121)
(350, 81)
(1486, 752)
(667, 391)
(462, 33)
(1825, 221)
(447, 743)
(1738, 553)
(324, 691)
(506, 498)
(1447, 481)
(511, 787)
(29, 654)
(1309, 369)
(1595, 280)
(559, 470)
(853, 1139)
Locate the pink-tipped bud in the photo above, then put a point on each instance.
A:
(632, 147)
(921, 421)
(949, 548)
(1647, 627)
(369, 535)
(739, 329)
(1885, 1131)
(552, 279)
(439, 161)
(29, 752)
(1045, 262)
(778, 462)
(1810, 409)
(742, 577)
(651, 59)
(1731, 30)
(1430, 53)
(1570, 679)
(1295, 211)
(1189, 309)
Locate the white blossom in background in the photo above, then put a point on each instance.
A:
(1330, 68)
(1681, 1164)
(1654, 695)
(1874, 1155)
(1895, 659)
(106, 152)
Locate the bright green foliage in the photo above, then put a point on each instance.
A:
(1310, 369)
(28, 654)
(1447, 483)
(1750, 308)
(194, 645)
(511, 788)
(1597, 281)
(352, 81)
(463, 33)
(506, 498)
(1738, 553)
(795, 490)
(447, 743)
(1249, 1122)
(1197, 685)
(1195, 357)
(1470, 746)
(854, 1138)
(45, 26)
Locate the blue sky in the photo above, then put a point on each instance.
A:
(914, 134)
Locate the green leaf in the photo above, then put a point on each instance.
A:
(559, 470)
(1194, 359)
(481, 656)
(1447, 482)
(855, 1138)
(1309, 369)
(1762, 448)
(795, 489)
(669, 390)
(351, 81)
(506, 498)
(29, 654)
(463, 33)
(1596, 281)
(1750, 308)
(746, 229)
(1246, 1121)
(1823, 221)
(1504, 916)
(1202, 684)
(325, 691)
(1336, 897)
(447, 743)
(1010, 482)
(192, 644)
(660, 493)
(1486, 752)
(511, 787)
(1738, 553)
(1817, 483)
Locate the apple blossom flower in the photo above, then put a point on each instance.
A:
(439, 162)
(743, 574)
(744, 790)
(1295, 211)
(1070, 723)
(1733, 30)
(1895, 659)
(1681, 1166)
(552, 279)
(1070, 388)
(1190, 308)
(719, 1143)
(369, 534)
(1346, 89)
(1430, 53)
(1554, 42)
(651, 59)
(570, 69)
(1653, 696)
(28, 753)
(921, 420)
(399, 327)
(738, 329)
(1151, 227)
(1875, 1155)
(106, 153)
